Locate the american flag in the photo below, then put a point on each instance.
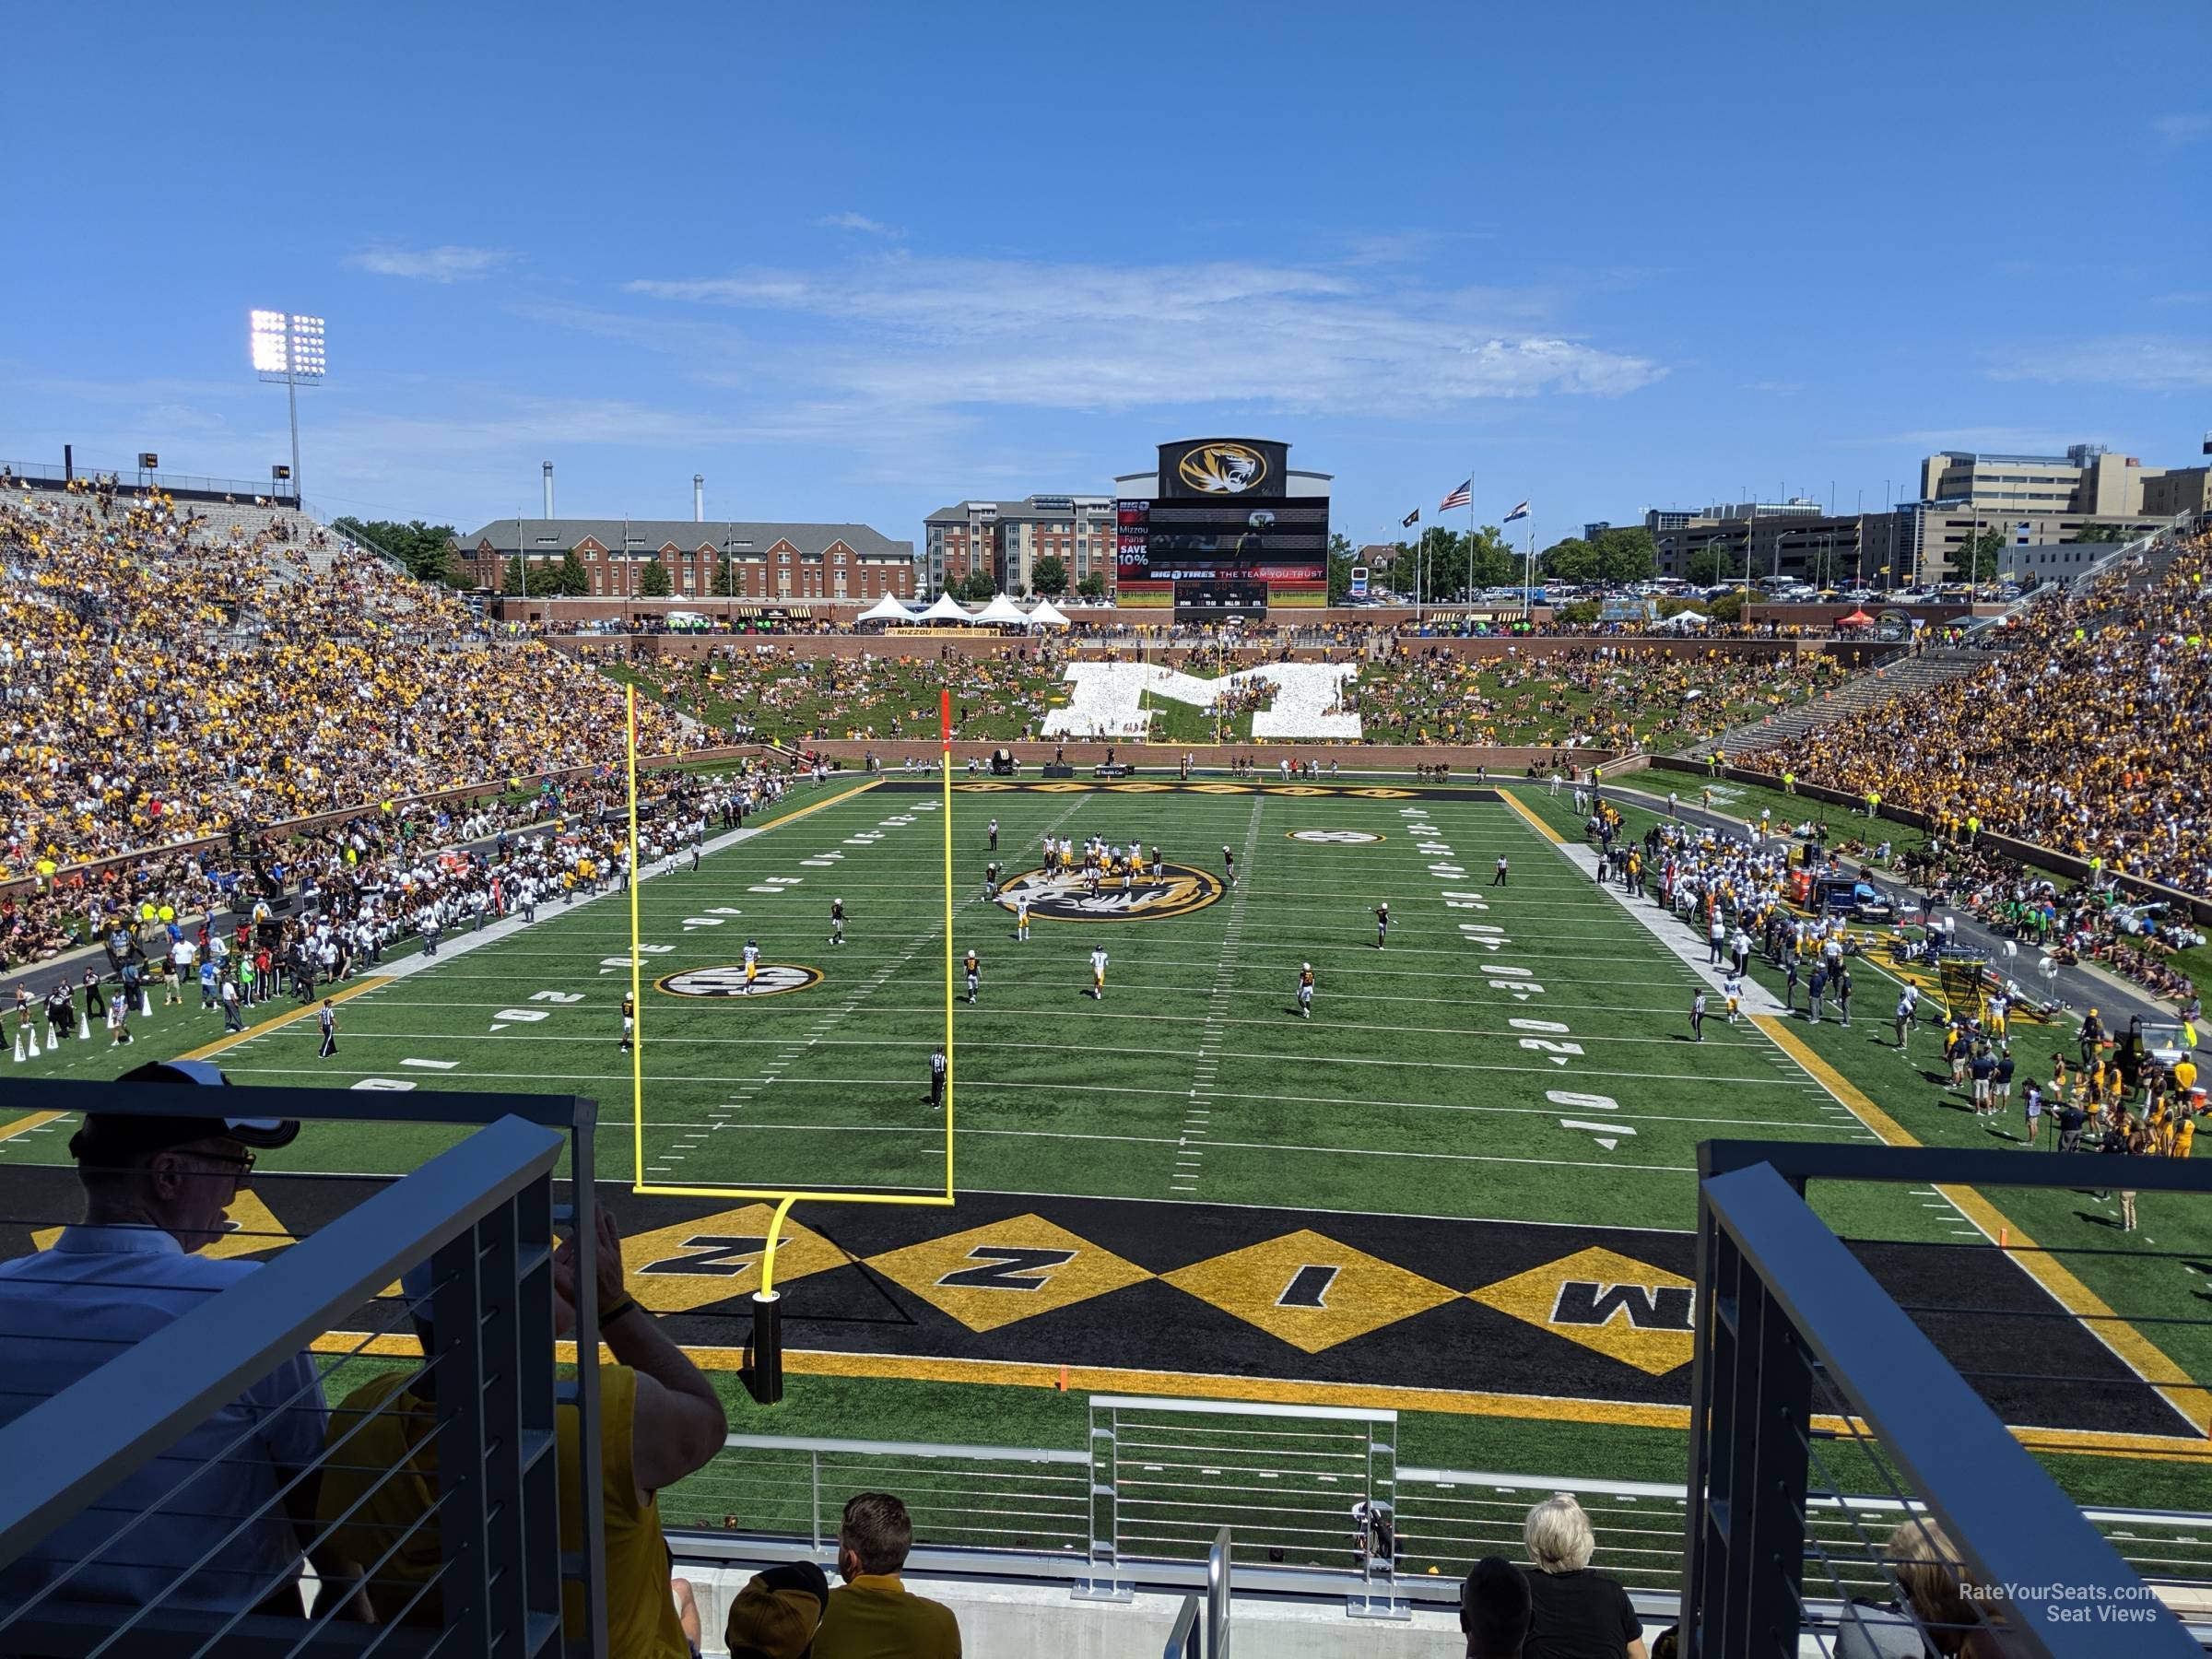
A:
(1458, 498)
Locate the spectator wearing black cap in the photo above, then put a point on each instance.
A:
(1494, 1609)
(155, 1192)
(778, 1613)
(872, 1615)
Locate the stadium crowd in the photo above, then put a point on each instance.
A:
(165, 683)
(291, 923)
(2088, 737)
(2087, 922)
(1605, 696)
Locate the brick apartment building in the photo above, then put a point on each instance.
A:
(763, 561)
(1007, 538)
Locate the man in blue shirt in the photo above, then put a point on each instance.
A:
(155, 1192)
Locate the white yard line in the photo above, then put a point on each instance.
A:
(1206, 1064)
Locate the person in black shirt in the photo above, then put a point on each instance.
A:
(1577, 1614)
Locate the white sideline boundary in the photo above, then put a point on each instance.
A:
(1672, 936)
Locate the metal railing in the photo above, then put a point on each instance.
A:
(1311, 1488)
(998, 1498)
(152, 1568)
(482, 1213)
(1201, 1630)
(1791, 1328)
(129, 479)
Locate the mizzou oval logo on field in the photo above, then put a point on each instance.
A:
(773, 980)
(1058, 895)
(1334, 838)
(1222, 468)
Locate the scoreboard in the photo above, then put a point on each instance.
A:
(1222, 531)
(1277, 539)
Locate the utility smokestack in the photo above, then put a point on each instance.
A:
(698, 497)
(548, 468)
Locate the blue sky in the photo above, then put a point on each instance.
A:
(856, 263)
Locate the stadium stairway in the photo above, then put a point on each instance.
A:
(1901, 677)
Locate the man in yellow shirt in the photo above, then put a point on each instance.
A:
(872, 1615)
(659, 1419)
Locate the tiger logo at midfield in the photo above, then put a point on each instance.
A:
(1058, 896)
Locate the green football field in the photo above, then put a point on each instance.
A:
(1463, 1187)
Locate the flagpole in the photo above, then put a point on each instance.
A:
(1528, 574)
(1470, 593)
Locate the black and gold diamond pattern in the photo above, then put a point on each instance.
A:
(711, 1258)
(1010, 1270)
(1309, 1290)
(1148, 1287)
(1610, 1303)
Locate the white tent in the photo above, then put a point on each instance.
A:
(1003, 609)
(947, 609)
(1047, 614)
(889, 608)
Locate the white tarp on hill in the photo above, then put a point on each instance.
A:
(1105, 700)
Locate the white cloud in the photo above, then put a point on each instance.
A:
(858, 222)
(430, 265)
(2140, 362)
(2191, 127)
(917, 332)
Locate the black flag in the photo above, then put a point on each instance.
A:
(1410, 520)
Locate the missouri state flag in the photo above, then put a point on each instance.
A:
(1518, 512)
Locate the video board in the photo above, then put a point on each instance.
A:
(1213, 538)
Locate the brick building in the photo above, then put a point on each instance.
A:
(1007, 538)
(763, 561)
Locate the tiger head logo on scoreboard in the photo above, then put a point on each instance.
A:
(1059, 895)
(1221, 468)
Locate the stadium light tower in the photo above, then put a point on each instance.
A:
(288, 348)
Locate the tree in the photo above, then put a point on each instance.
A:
(1728, 609)
(1092, 587)
(1049, 576)
(1340, 572)
(569, 577)
(520, 580)
(1572, 559)
(1625, 555)
(654, 582)
(1978, 557)
(1497, 563)
(1714, 564)
(725, 576)
(976, 587)
(427, 550)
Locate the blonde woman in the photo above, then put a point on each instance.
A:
(1578, 1613)
(1924, 1562)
